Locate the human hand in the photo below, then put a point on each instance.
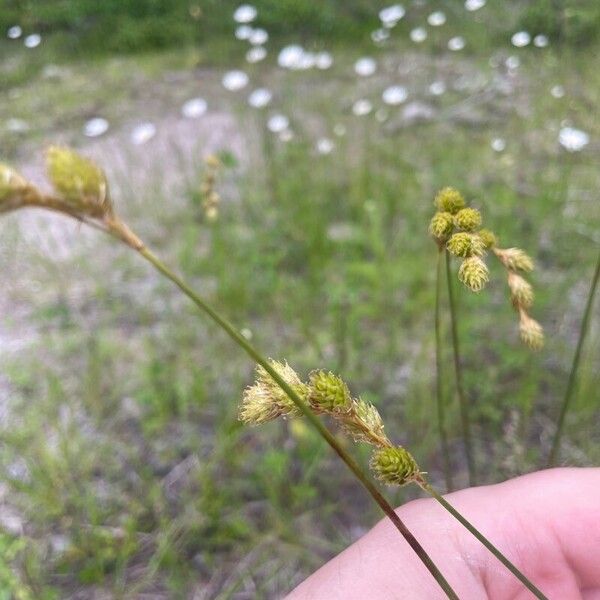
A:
(546, 523)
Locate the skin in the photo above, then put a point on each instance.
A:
(546, 523)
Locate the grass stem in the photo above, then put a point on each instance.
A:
(462, 399)
(552, 458)
(439, 388)
(239, 339)
(473, 530)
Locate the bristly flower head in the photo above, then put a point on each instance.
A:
(78, 181)
(441, 225)
(515, 259)
(473, 272)
(465, 244)
(328, 393)
(467, 219)
(395, 466)
(265, 400)
(531, 331)
(364, 423)
(488, 238)
(449, 200)
(521, 292)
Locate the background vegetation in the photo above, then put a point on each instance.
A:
(125, 470)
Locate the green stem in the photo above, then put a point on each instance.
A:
(473, 530)
(439, 377)
(304, 408)
(575, 367)
(462, 399)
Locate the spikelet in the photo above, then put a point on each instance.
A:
(521, 292)
(211, 198)
(395, 466)
(328, 393)
(474, 273)
(465, 244)
(78, 181)
(441, 225)
(449, 200)
(467, 219)
(364, 423)
(14, 189)
(265, 400)
(531, 331)
(515, 259)
(488, 238)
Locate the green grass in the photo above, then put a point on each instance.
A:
(122, 448)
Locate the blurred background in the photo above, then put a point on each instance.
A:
(124, 470)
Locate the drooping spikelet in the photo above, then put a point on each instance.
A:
(328, 393)
(449, 200)
(441, 225)
(515, 259)
(521, 292)
(488, 238)
(265, 400)
(467, 219)
(78, 181)
(395, 466)
(465, 244)
(531, 331)
(364, 423)
(474, 273)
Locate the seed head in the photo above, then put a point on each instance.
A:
(265, 400)
(395, 466)
(468, 219)
(465, 244)
(531, 332)
(13, 188)
(449, 200)
(515, 259)
(488, 238)
(78, 181)
(328, 393)
(364, 423)
(441, 225)
(473, 272)
(521, 292)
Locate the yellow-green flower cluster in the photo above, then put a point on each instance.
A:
(211, 199)
(521, 294)
(327, 394)
(78, 181)
(455, 226)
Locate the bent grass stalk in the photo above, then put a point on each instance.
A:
(83, 195)
(439, 376)
(460, 392)
(552, 458)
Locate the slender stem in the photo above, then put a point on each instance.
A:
(439, 377)
(472, 529)
(315, 422)
(575, 367)
(462, 399)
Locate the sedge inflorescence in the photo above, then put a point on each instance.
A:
(327, 394)
(210, 197)
(457, 228)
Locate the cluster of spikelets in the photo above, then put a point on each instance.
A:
(457, 227)
(210, 196)
(327, 394)
(80, 187)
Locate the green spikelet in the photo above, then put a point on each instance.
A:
(395, 466)
(465, 244)
(78, 181)
(467, 219)
(441, 225)
(449, 200)
(488, 238)
(328, 393)
(473, 272)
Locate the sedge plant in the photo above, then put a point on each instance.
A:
(456, 229)
(81, 192)
(327, 394)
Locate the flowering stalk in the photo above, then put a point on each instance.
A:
(82, 193)
(439, 392)
(575, 366)
(394, 465)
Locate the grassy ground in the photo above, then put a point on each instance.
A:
(126, 471)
